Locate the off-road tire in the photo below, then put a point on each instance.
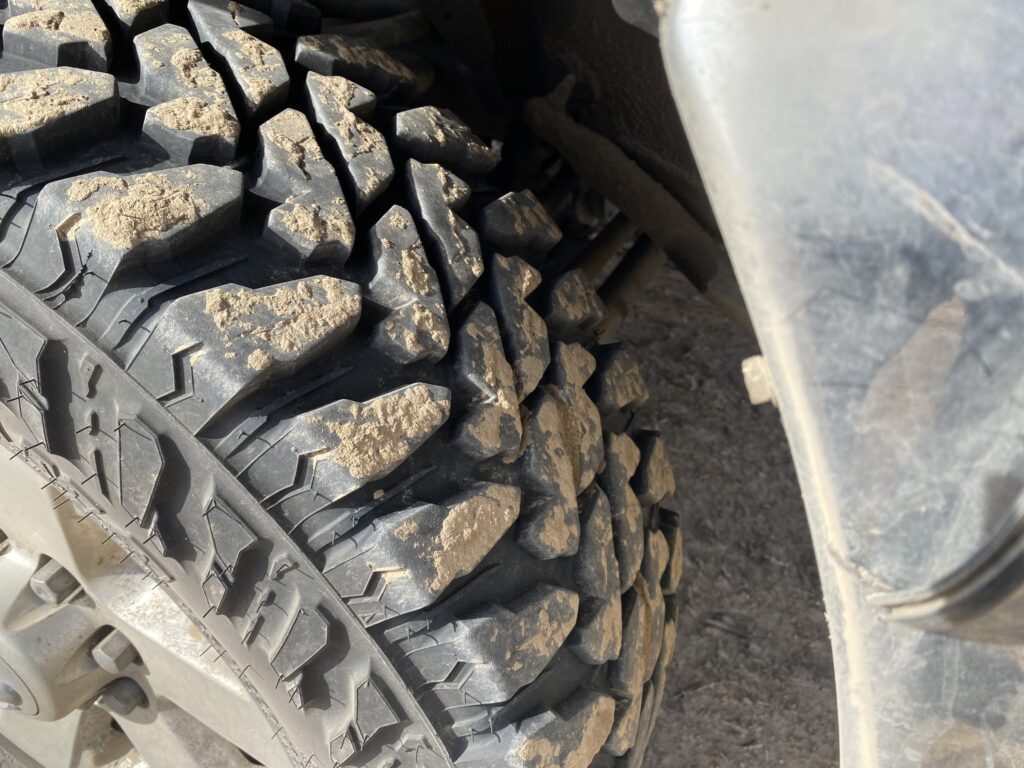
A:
(264, 316)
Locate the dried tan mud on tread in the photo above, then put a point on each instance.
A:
(374, 437)
(256, 67)
(550, 527)
(172, 67)
(58, 37)
(125, 212)
(416, 327)
(339, 106)
(491, 425)
(419, 551)
(233, 339)
(190, 129)
(42, 111)
(196, 116)
(568, 737)
(505, 647)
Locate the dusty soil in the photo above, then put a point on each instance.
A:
(751, 683)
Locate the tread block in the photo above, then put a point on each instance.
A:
(398, 75)
(405, 560)
(87, 228)
(551, 526)
(572, 304)
(44, 111)
(656, 628)
(595, 568)
(525, 336)
(20, 351)
(491, 426)
(372, 711)
(59, 38)
(214, 17)
(618, 385)
(567, 737)
(312, 224)
(654, 479)
(598, 634)
(656, 555)
(307, 636)
(347, 444)
(432, 135)
(673, 576)
(406, 284)
(653, 693)
(503, 648)
(18, 7)
(518, 222)
(230, 536)
(627, 673)
(172, 67)
(255, 67)
(137, 15)
(571, 367)
(141, 464)
(191, 130)
(621, 459)
(339, 106)
(291, 159)
(668, 645)
(436, 195)
(237, 338)
(627, 723)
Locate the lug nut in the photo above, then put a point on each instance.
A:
(53, 583)
(121, 697)
(114, 653)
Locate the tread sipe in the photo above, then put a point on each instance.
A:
(262, 313)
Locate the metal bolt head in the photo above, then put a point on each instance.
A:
(114, 653)
(121, 697)
(9, 698)
(53, 583)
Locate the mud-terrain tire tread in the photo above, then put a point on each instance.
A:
(389, 459)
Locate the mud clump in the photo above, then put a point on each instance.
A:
(137, 209)
(197, 116)
(288, 320)
(376, 436)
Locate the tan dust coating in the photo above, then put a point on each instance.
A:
(470, 530)
(128, 9)
(29, 100)
(549, 625)
(196, 116)
(257, 60)
(291, 131)
(544, 753)
(375, 436)
(339, 91)
(84, 26)
(318, 223)
(288, 320)
(197, 73)
(138, 208)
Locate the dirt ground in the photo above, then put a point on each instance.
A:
(751, 682)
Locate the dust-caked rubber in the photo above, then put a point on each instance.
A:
(264, 328)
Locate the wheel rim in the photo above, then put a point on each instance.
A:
(99, 665)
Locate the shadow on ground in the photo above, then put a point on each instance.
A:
(751, 683)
